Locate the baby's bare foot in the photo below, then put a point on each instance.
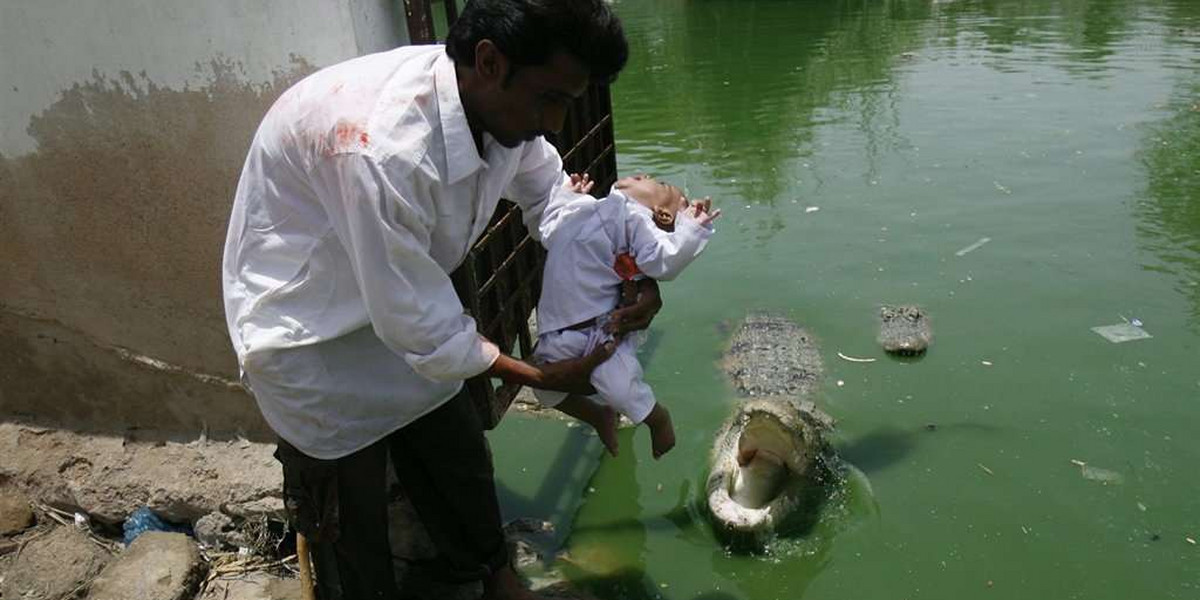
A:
(662, 433)
(602, 418)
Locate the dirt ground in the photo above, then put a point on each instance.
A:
(81, 488)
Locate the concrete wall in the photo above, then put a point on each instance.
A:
(123, 126)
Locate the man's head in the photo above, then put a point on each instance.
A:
(664, 200)
(522, 62)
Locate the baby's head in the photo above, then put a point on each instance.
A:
(663, 200)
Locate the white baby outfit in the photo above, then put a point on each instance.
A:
(580, 284)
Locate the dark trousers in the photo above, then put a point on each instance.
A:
(445, 469)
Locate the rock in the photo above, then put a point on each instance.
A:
(156, 566)
(56, 565)
(108, 477)
(255, 586)
(523, 555)
(270, 507)
(15, 514)
(218, 530)
(525, 535)
(523, 525)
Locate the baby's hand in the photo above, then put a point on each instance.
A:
(580, 184)
(702, 211)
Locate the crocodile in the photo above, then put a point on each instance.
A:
(769, 459)
(904, 330)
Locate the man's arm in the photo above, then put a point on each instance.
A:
(409, 298)
(570, 375)
(540, 188)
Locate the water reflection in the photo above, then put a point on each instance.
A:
(606, 551)
(1171, 215)
(741, 97)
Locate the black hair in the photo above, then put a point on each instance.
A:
(530, 32)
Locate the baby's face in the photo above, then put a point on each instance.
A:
(662, 199)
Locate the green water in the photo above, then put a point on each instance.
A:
(1068, 133)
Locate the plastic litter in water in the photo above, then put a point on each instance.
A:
(973, 247)
(1097, 474)
(1122, 332)
(1102, 475)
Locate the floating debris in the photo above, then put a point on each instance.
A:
(973, 247)
(812, 209)
(1091, 473)
(1002, 188)
(1122, 332)
(854, 359)
(985, 469)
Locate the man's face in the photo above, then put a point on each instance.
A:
(663, 199)
(534, 101)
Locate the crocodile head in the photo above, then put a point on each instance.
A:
(763, 460)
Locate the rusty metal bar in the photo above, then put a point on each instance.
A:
(419, 16)
(597, 130)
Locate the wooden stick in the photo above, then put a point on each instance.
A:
(306, 580)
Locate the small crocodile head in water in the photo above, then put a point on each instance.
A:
(765, 460)
(904, 330)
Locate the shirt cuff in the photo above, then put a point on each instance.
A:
(465, 355)
(689, 225)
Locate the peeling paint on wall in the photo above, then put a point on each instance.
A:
(113, 227)
(115, 223)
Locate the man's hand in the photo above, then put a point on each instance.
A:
(570, 375)
(574, 375)
(580, 184)
(638, 315)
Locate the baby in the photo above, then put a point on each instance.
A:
(596, 249)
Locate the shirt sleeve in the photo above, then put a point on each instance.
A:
(662, 255)
(409, 298)
(538, 188)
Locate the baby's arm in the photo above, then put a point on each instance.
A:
(663, 255)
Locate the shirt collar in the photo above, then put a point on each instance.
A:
(462, 159)
(634, 205)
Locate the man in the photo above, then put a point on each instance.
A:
(365, 185)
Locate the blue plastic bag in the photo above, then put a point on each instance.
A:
(143, 520)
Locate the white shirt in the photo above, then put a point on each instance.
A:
(584, 237)
(362, 191)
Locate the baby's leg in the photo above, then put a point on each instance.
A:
(662, 432)
(618, 382)
(602, 418)
(562, 345)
